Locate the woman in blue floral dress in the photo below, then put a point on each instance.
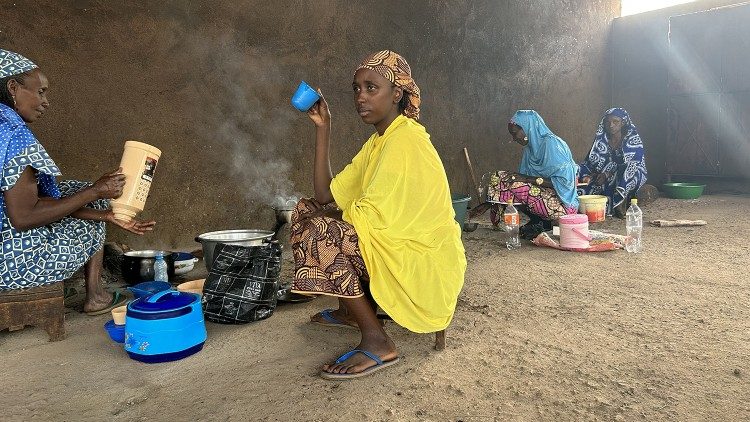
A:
(49, 230)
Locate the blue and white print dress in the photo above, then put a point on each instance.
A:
(50, 253)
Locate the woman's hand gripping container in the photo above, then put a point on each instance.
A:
(165, 326)
(594, 206)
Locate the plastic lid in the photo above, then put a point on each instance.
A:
(167, 300)
(574, 219)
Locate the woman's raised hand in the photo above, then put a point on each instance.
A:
(110, 185)
(319, 112)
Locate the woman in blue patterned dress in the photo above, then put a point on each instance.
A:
(49, 230)
(615, 166)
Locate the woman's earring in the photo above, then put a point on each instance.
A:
(14, 99)
(526, 139)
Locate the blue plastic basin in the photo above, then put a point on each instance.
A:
(148, 288)
(116, 332)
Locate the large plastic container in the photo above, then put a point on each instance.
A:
(594, 206)
(460, 205)
(138, 164)
(574, 231)
(165, 326)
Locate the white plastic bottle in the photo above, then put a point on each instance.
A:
(512, 223)
(160, 269)
(633, 227)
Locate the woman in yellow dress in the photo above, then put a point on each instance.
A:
(382, 232)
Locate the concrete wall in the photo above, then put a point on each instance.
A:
(640, 55)
(209, 83)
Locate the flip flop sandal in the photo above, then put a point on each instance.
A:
(330, 321)
(118, 299)
(379, 364)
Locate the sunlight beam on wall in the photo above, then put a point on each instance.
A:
(631, 7)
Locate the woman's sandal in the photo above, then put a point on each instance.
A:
(379, 364)
(118, 299)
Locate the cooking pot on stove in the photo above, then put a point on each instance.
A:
(240, 237)
(138, 266)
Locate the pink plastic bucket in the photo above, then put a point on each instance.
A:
(574, 231)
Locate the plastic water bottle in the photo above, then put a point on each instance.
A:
(512, 223)
(633, 227)
(160, 269)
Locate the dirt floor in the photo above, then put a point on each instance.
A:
(539, 334)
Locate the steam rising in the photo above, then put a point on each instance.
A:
(241, 86)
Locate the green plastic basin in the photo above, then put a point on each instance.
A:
(683, 190)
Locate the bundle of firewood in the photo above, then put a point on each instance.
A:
(677, 223)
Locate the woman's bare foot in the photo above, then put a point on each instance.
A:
(96, 301)
(384, 348)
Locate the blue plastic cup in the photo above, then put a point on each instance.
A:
(305, 97)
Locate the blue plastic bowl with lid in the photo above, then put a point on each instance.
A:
(164, 326)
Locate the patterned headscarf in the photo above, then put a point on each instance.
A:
(13, 64)
(393, 67)
(601, 158)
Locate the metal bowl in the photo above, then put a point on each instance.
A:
(240, 237)
(138, 266)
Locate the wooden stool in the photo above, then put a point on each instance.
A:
(40, 306)
(439, 335)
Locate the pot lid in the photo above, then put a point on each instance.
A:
(167, 300)
(235, 235)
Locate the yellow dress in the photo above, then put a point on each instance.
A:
(395, 193)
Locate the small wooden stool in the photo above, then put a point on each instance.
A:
(40, 306)
(439, 335)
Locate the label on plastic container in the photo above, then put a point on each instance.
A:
(511, 219)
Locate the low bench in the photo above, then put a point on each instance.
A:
(38, 306)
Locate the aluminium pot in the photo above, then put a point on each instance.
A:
(240, 237)
(138, 266)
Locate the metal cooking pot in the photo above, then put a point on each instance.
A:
(138, 266)
(232, 237)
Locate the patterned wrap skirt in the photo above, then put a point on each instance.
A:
(50, 253)
(327, 259)
(539, 200)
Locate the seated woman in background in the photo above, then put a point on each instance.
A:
(615, 166)
(49, 230)
(546, 178)
(390, 240)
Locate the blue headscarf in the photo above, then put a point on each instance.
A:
(12, 64)
(548, 156)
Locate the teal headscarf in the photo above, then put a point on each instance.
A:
(548, 156)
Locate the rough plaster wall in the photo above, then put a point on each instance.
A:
(209, 83)
(640, 51)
